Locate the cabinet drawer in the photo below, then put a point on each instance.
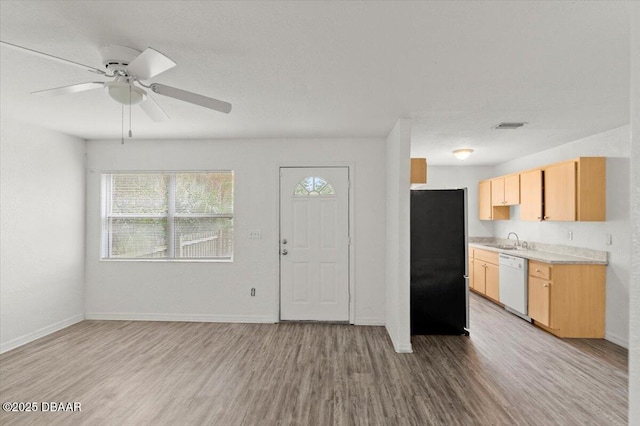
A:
(486, 256)
(540, 270)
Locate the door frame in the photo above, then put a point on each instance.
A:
(350, 166)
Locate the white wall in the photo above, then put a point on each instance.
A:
(221, 291)
(398, 279)
(614, 145)
(42, 233)
(634, 305)
(445, 177)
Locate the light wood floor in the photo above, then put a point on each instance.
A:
(158, 373)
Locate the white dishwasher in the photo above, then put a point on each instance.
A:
(513, 284)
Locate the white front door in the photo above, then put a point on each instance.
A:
(314, 243)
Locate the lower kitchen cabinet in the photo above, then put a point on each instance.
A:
(539, 300)
(486, 279)
(471, 281)
(568, 300)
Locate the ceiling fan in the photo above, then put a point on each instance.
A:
(127, 69)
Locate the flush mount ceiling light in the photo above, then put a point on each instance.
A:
(462, 154)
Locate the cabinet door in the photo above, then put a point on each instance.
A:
(484, 200)
(531, 195)
(512, 190)
(560, 192)
(418, 170)
(497, 192)
(539, 291)
(492, 284)
(478, 276)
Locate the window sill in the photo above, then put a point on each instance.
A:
(169, 260)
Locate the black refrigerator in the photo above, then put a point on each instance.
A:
(439, 262)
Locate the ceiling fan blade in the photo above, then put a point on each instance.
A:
(149, 64)
(51, 57)
(74, 88)
(153, 110)
(193, 98)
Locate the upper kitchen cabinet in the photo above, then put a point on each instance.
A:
(486, 209)
(572, 190)
(531, 195)
(575, 190)
(484, 200)
(591, 189)
(505, 190)
(418, 170)
(560, 192)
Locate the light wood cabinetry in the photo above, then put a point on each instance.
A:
(576, 190)
(486, 209)
(418, 170)
(478, 277)
(572, 190)
(505, 190)
(486, 279)
(492, 281)
(560, 192)
(591, 189)
(484, 200)
(568, 300)
(470, 270)
(539, 300)
(497, 192)
(531, 195)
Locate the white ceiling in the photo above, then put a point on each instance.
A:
(337, 69)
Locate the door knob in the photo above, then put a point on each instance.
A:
(284, 241)
(284, 252)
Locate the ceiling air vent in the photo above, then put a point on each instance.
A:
(508, 125)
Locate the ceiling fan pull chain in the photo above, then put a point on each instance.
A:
(130, 133)
(122, 127)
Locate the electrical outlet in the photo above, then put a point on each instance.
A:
(253, 292)
(570, 235)
(608, 239)
(256, 234)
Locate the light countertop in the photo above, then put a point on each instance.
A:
(542, 255)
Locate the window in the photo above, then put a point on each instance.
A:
(182, 215)
(313, 186)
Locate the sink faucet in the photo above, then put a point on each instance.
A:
(517, 239)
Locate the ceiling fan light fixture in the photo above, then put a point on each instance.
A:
(463, 153)
(124, 93)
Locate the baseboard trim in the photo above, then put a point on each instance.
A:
(128, 316)
(42, 332)
(369, 321)
(618, 340)
(401, 348)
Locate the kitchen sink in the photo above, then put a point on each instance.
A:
(502, 246)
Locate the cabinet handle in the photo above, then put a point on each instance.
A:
(538, 270)
(547, 217)
(539, 217)
(545, 285)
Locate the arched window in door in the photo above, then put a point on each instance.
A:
(313, 186)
